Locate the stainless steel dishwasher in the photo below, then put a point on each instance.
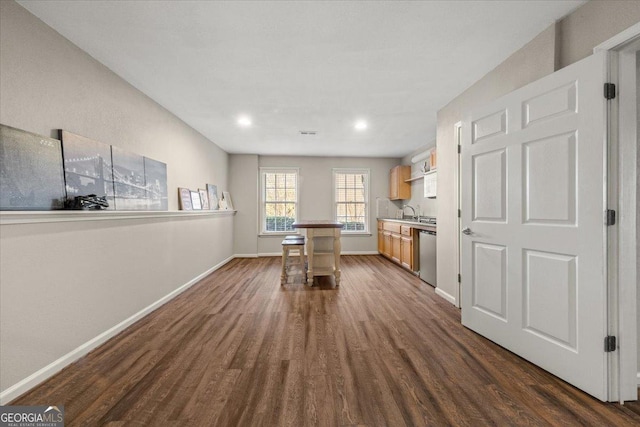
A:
(428, 257)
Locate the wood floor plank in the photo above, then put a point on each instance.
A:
(239, 349)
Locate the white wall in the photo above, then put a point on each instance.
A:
(315, 196)
(62, 284)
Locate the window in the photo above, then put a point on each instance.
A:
(351, 197)
(279, 199)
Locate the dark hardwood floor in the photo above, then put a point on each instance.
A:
(238, 349)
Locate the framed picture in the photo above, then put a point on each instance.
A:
(184, 197)
(227, 199)
(155, 179)
(128, 180)
(32, 176)
(204, 198)
(212, 192)
(87, 167)
(196, 203)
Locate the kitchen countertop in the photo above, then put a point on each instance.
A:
(412, 223)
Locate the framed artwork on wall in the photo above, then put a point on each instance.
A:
(212, 192)
(128, 178)
(31, 171)
(204, 198)
(227, 200)
(155, 179)
(87, 167)
(184, 197)
(196, 203)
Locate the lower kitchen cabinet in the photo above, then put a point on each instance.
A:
(395, 241)
(406, 252)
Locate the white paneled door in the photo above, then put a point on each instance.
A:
(533, 209)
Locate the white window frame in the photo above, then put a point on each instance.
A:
(263, 199)
(367, 184)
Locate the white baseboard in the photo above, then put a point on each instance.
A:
(269, 254)
(446, 296)
(265, 254)
(56, 366)
(638, 376)
(245, 256)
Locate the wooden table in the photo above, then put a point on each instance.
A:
(323, 248)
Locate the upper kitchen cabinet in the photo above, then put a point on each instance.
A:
(398, 188)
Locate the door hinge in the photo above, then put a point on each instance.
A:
(609, 90)
(459, 213)
(611, 217)
(609, 343)
(459, 148)
(459, 278)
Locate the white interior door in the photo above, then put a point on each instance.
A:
(533, 197)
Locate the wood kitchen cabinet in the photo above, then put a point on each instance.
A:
(406, 247)
(395, 241)
(398, 188)
(396, 252)
(386, 244)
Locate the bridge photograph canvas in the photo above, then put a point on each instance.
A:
(87, 167)
(155, 178)
(128, 178)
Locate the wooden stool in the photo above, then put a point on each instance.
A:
(288, 246)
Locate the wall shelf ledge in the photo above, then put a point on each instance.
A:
(36, 217)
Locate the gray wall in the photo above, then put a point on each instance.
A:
(638, 203)
(592, 24)
(243, 179)
(62, 284)
(563, 43)
(315, 196)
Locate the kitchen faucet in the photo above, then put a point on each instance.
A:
(412, 210)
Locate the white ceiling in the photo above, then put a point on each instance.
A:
(305, 65)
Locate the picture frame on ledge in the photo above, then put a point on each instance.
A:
(204, 198)
(196, 202)
(227, 199)
(184, 197)
(31, 170)
(212, 191)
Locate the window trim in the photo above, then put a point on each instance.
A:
(367, 173)
(262, 215)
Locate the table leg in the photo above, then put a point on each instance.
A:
(310, 256)
(283, 274)
(336, 255)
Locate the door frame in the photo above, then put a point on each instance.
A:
(622, 179)
(457, 129)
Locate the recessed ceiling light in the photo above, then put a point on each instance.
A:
(244, 121)
(360, 125)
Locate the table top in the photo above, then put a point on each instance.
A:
(318, 223)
